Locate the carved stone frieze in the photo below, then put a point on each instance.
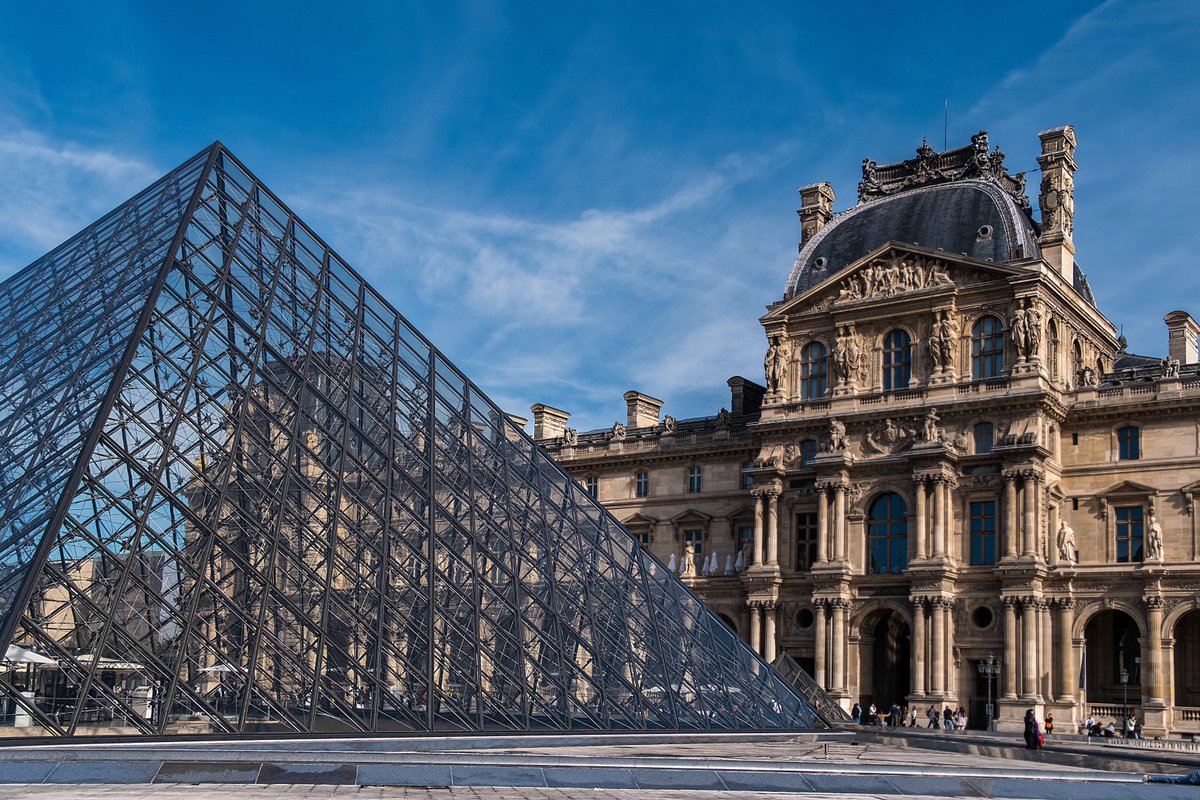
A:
(887, 438)
(889, 277)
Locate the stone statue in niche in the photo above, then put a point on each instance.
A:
(1068, 553)
(1154, 540)
(847, 354)
(1018, 332)
(775, 364)
(1033, 327)
(942, 339)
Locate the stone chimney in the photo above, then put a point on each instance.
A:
(745, 397)
(641, 409)
(1057, 199)
(816, 208)
(548, 422)
(1183, 337)
(519, 422)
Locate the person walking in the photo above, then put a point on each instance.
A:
(1130, 725)
(1031, 733)
(1049, 724)
(856, 714)
(947, 719)
(933, 717)
(912, 717)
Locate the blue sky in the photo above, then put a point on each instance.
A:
(574, 200)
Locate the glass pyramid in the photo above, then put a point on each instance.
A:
(240, 494)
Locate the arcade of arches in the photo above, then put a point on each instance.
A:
(952, 455)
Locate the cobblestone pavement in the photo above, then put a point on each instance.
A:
(310, 792)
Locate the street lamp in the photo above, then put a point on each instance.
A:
(990, 669)
(1125, 700)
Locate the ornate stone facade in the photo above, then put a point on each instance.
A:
(953, 457)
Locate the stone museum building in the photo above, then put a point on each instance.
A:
(952, 459)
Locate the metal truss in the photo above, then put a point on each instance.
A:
(240, 494)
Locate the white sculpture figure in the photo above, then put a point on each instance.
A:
(729, 564)
(689, 561)
(930, 432)
(740, 564)
(1154, 540)
(671, 564)
(775, 364)
(1068, 553)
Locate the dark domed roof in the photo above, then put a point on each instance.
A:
(974, 217)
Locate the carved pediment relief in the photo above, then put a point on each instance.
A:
(891, 271)
(888, 437)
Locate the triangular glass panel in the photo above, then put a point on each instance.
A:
(240, 494)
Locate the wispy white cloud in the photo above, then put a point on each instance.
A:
(49, 190)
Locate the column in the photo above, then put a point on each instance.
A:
(951, 684)
(1066, 660)
(1029, 502)
(758, 528)
(1045, 652)
(1028, 648)
(1009, 669)
(755, 627)
(939, 517)
(918, 644)
(822, 525)
(838, 682)
(1010, 516)
(839, 522)
(773, 527)
(769, 632)
(1154, 618)
(938, 621)
(820, 637)
(921, 516)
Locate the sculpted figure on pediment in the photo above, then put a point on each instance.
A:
(893, 277)
(886, 438)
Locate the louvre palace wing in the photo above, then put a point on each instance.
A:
(239, 493)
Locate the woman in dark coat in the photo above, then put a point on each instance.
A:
(1031, 731)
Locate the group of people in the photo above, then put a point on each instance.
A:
(897, 717)
(1130, 727)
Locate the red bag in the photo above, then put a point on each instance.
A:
(1041, 740)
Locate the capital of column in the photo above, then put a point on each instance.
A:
(1153, 602)
(839, 602)
(1010, 601)
(1064, 603)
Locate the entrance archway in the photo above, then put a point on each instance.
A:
(885, 655)
(1187, 661)
(1113, 652)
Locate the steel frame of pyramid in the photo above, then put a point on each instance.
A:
(240, 494)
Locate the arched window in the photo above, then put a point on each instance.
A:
(1077, 363)
(987, 349)
(814, 371)
(897, 360)
(1052, 346)
(887, 535)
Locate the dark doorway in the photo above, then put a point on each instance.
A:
(891, 661)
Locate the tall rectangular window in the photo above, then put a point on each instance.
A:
(641, 484)
(983, 438)
(806, 540)
(1129, 534)
(1129, 443)
(695, 479)
(695, 538)
(983, 532)
(592, 484)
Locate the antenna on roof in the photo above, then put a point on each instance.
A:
(945, 124)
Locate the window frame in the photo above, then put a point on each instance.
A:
(982, 531)
(806, 541)
(591, 485)
(814, 371)
(990, 438)
(988, 356)
(891, 531)
(897, 360)
(1129, 540)
(695, 483)
(1129, 443)
(641, 483)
